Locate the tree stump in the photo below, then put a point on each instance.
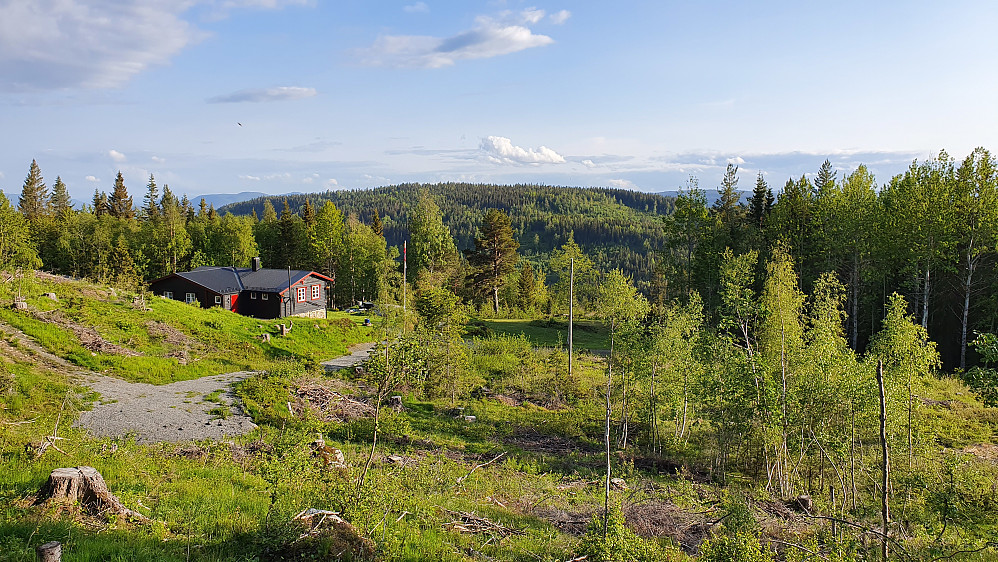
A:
(49, 552)
(83, 484)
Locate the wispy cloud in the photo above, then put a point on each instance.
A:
(621, 184)
(57, 44)
(116, 156)
(417, 8)
(282, 93)
(501, 150)
(561, 17)
(491, 37)
(249, 178)
(92, 179)
(66, 44)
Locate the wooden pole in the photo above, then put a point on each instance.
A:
(884, 507)
(49, 552)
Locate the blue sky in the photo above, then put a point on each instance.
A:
(222, 96)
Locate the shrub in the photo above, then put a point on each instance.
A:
(744, 547)
(620, 544)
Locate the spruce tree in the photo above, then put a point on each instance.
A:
(34, 201)
(308, 214)
(376, 224)
(151, 210)
(759, 200)
(60, 201)
(100, 206)
(120, 203)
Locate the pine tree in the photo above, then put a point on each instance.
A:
(494, 256)
(120, 203)
(151, 210)
(34, 201)
(376, 224)
(59, 201)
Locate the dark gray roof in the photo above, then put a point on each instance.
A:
(222, 280)
(270, 280)
(230, 280)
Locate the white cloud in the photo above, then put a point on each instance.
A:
(56, 44)
(116, 156)
(249, 178)
(281, 93)
(489, 38)
(622, 184)
(417, 8)
(92, 179)
(62, 44)
(158, 160)
(532, 15)
(331, 183)
(561, 17)
(737, 160)
(501, 150)
(589, 163)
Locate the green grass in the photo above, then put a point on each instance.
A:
(586, 334)
(172, 341)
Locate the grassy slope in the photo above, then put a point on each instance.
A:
(586, 334)
(174, 341)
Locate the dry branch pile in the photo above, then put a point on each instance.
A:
(329, 405)
(470, 523)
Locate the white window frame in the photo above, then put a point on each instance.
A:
(316, 292)
(190, 298)
(218, 300)
(253, 295)
(167, 294)
(300, 294)
(264, 296)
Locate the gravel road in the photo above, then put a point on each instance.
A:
(179, 411)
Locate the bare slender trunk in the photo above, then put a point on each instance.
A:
(606, 437)
(885, 483)
(925, 297)
(967, 286)
(854, 336)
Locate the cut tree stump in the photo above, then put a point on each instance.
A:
(49, 552)
(86, 486)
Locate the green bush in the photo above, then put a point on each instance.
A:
(743, 547)
(619, 544)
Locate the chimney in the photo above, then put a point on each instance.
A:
(256, 264)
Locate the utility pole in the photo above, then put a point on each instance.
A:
(571, 311)
(405, 273)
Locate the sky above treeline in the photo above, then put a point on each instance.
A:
(278, 96)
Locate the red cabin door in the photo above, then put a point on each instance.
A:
(233, 307)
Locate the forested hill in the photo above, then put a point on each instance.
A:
(617, 227)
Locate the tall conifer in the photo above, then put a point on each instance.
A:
(120, 203)
(34, 200)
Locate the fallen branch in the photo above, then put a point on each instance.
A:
(477, 466)
(473, 524)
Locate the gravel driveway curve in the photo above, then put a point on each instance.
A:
(179, 411)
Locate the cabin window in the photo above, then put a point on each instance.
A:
(218, 300)
(167, 294)
(264, 296)
(253, 295)
(190, 298)
(315, 292)
(301, 294)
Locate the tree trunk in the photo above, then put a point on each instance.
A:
(967, 286)
(49, 552)
(606, 437)
(86, 486)
(885, 483)
(925, 298)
